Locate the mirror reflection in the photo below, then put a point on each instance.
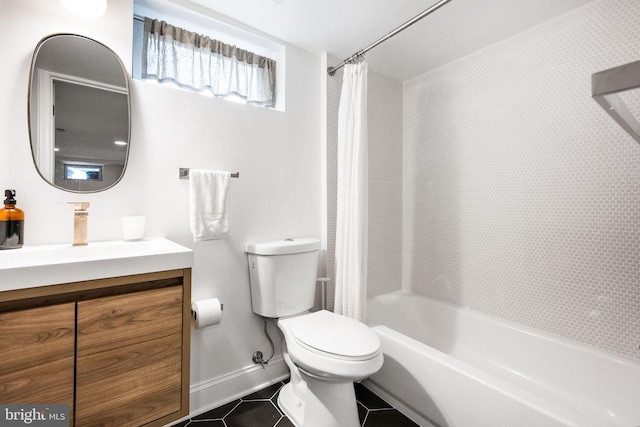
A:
(79, 113)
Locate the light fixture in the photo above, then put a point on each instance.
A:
(119, 142)
(90, 9)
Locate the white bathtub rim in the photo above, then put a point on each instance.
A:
(621, 410)
(523, 396)
(555, 338)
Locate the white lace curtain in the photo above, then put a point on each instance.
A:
(199, 63)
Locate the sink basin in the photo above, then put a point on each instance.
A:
(33, 266)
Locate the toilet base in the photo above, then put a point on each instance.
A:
(318, 403)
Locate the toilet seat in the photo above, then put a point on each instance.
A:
(317, 344)
(333, 335)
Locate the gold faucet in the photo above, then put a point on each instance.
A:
(80, 217)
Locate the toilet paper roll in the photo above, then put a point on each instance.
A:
(206, 312)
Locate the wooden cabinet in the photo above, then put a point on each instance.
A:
(37, 355)
(116, 350)
(129, 351)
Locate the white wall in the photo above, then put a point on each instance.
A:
(521, 194)
(276, 153)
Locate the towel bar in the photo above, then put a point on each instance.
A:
(184, 174)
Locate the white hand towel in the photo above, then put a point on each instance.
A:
(209, 204)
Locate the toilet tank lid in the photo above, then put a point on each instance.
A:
(284, 246)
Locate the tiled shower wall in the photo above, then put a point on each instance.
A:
(385, 180)
(521, 195)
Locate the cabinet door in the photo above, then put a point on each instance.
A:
(129, 350)
(37, 355)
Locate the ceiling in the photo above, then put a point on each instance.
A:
(342, 27)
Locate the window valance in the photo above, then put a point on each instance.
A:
(199, 63)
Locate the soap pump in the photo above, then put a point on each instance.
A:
(80, 216)
(11, 223)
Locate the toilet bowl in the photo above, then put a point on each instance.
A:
(332, 346)
(325, 352)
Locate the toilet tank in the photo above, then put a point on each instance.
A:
(283, 276)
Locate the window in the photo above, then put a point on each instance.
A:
(83, 172)
(198, 62)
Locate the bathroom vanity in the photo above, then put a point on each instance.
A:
(103, 328)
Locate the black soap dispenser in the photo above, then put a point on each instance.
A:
(11, 223)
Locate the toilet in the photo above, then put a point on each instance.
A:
(325, 352)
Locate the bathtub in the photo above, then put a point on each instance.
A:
(452, 367)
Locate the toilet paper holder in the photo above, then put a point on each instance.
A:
(194, 315)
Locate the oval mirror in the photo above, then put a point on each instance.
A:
(79, 113)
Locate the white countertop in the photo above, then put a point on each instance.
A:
(32, 266)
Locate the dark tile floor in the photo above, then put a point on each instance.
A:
(260, 409)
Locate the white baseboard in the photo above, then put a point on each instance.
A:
(227, 388)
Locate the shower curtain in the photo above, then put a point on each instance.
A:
(352, 203)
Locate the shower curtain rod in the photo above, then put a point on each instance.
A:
(332, 70)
